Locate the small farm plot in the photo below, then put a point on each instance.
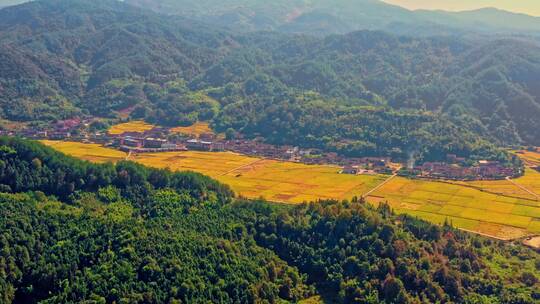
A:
(196, 129)
(296, 183)
(531, 158)
(502, 187)
(133, 126)
(213, 164)
(530, 181)
(91, 152)
(466, 207)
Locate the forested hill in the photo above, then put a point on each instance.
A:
(64, 58)
(75, 232)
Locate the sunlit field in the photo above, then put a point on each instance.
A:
(249, 177)
(530, 158)
(465, 207)
(504, 216)
(132, 126)
(197, 129)
(531, 181)
(503, 187)
(91, 152)
(273, 180)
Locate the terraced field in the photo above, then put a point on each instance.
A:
(530, 158)
(91, 152)
(140, 126)
(132, 126)
(197, 129)
(468, 208)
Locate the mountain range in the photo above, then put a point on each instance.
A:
(62, 58)
(322, 17)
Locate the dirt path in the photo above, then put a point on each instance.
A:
(379, 186)
(243, 166)
(523, 188)
(129, 155)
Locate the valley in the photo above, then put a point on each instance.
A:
(272, 152)
(498, 209)
(249, 177)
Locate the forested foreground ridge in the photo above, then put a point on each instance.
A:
(61, 59)
(73, 232)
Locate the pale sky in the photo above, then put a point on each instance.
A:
(531, 7)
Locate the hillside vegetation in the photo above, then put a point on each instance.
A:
(72, 231)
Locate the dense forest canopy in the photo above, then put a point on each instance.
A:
(73, 232)
(62, 58)
(77, 232)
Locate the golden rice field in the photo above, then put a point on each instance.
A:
(468, 208)
(273, 180)
(475, 207)
(250, 177)
(529, 157)
(91, 152)
(196, 129)
(132, 126)
(514, 188)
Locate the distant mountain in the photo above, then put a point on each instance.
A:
(342, 16)
(490, 19)
(321, 17)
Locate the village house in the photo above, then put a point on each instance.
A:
(135, 142)
(486, 170)
(218, 146)
(200, 145)
(354, 170)
(154, 143)
(59, 135)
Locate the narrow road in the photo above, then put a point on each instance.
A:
(243, 166)
(129, 155)
(379, 186)
(523, 188)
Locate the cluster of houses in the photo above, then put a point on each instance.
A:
(154, 140)
(367, 166)
(483, 170)
(160, 140)
(58, 131)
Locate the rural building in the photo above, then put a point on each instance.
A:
(201, 145)
(350, 170)
(218, 146)
(132, 142)
(154, 143)
(59, 135)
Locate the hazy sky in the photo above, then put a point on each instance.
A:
(531, 7)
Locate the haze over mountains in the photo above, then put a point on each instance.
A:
(321, 17)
